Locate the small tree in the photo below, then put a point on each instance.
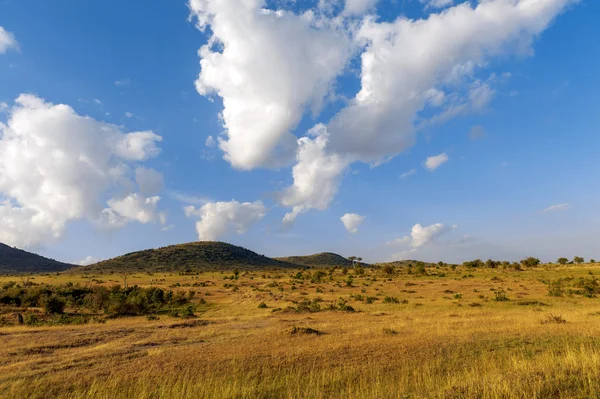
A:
(530, 262)
(352, 259)
(578, 260)
(53, 304)
(124, 274)
(592, 261)
(563, 261)
(388, 269)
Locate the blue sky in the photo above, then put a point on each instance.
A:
(524, 183)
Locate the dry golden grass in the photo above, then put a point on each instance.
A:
(438, 345)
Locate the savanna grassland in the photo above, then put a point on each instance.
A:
(318, 333)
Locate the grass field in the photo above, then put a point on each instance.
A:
(480, 333)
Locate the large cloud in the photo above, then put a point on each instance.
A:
(267, 66)
(217, 219)
(7, 41)
(57, 166)
(410, 65)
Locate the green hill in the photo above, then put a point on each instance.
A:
(14, 260)
(323, 259)
(194, 256)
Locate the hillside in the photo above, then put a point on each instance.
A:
(14, 260)
(194, 256)
(323, 259)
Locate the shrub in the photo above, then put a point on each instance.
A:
(262, 305)
(554, 319)
(530, 262)
(390, 299)
(500, 296)
(188, 312)
(54, 304)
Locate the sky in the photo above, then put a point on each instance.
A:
(408, 129)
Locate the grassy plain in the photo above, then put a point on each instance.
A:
(440, 335)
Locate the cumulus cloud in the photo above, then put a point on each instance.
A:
(267, 66)
(555, 208)
(317, 175)
(218, 219)
(88, 260)
(404, 59)
(352, 221)
(7, 41)
(421, 236)
(437, 3)
(434, 162)
(359, 7)
(57, 166)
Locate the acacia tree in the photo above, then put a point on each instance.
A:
(563, 261)
(352, 259)
(124, 274)
(578, 260)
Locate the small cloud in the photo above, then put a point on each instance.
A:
(167, 228)
(97, 102)
(188, 198)
(555, 208)
(352, 221)
(123, 83)
(210, 142)
(129, 115)
(434, 162)
(408, 174)
(88, 260)
(477, 132)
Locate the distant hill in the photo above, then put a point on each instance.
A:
(194, 256)
(14, 260)
(323, 259)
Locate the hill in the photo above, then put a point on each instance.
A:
(194, 256)
(14, 260)
(323, 259)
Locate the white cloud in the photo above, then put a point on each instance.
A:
(437, 3)
(88, 260)
(7, 41)
(133, 207)
(421, 236)
(359, 7)
(554, 208)
(434, 162)
(352, 221)
(57, 166)
(408, 174)
(129, 115)
(210, 142)
(317, 175)
(149, 181)
(405, 59)
(218, 219)
(267, 66)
